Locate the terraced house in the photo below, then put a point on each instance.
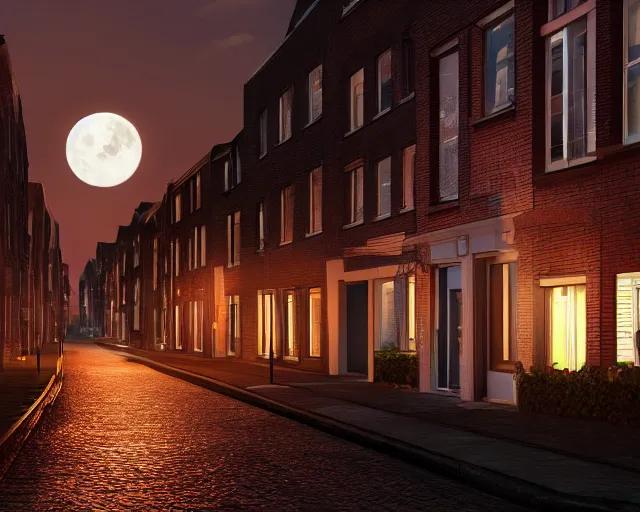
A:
(454, 181)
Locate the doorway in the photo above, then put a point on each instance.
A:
(358, 328)
(628, 317)
(449, 327)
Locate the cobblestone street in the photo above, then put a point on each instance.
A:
(124, 437)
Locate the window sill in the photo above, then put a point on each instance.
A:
(282, 244)
(311, 235)
(259, 251)
(407, 210)
(450, 205)
(291, 359)
(381, 114)
(382, 217)
(282, 142)
(407, 99)
(233, 266)
(353, 224)
(499, 114)
(311, 123)
(348, 134)
(566, 164)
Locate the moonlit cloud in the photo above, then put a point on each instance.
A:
(234, 40)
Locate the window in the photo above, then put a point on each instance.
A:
(411, 310)
(571, 100)
(263, 133)
(384, 187)
(136, 251)
(560, 7)
(290, 332)
(198, 310)
(177, 207)
(408, 67)
(260, 230)
(155, 264)
(499, 65)
(198, 192)
(233, 325)
(227, 176)
(195, 248)
(203, 246)
(448, 146)
(177, 257)
(502, 314)
(266, 324)
(237, 167)
(408, 173)
(233, 239)
(177, 328)
(355, 186)
(315, 94)
(385, 84)
(192, 201)
(189, 255)
(315, 322)
(632, 71)
(136, 305)
(285, 115)
(232, 172)
(286, 215)
(395, 303)
(315, 201)
(357, 100)
(567, 326)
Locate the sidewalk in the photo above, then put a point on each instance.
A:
(557, 462)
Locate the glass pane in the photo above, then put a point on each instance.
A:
(388, 331)
(357, 100)
(359, 189)
(499, 83)
(384, 187)
(448, 88)
(577, 39)
(633, 31)
(568, 327)
(315, 93)
(316, 201)
(385, 87)
(557, 106)
(633, 101)
(315, 322)
(408, 170)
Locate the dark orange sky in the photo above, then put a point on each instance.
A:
(174, 68)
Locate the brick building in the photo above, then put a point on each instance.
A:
(453, 181)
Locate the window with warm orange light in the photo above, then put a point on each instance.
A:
(315, 322)
(566, 323)
(233, 325)
(266, 324)
(286, 215)
(290, 343)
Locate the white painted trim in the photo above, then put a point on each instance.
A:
(567, 18)
(548, 282)
(487, 20)
(444, 48)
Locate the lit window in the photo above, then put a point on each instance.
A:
(260, 230)
(289, 311)
(136, 251)
(286, 215)
(203, 246)
(136, 305)
(411, 311)
(177, 257)
(315, 94)
(198, 310)
(632, 71)
(567, 326)
(408, 67)
(385, 84)
(395, 303)
(571, 100)
(408, 173)
(233, 325)
(285, 115)
(195, 247)
(198, 192)
(263, 133)
(266, 324)
(448, 147)
(315, 322)
(189, 255)
(178, 339)
(502, 314)
(357, 100)
(233, 239)
(499, 65)
(177, 208)
(384, 187)
(192, 201)
(355, 211)
(315, 201)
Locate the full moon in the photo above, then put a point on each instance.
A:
(104, 150)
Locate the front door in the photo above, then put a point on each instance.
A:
(358, 328)
(449, 327)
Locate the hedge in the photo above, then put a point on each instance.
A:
(396, 367)
(608, 394)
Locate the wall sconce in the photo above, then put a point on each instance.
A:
(463, 246)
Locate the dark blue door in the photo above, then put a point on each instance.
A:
(357, 328)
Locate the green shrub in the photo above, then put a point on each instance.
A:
(396, 367)
(607, 394)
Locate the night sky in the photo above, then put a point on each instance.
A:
(174, 68)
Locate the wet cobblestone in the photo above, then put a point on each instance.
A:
(124, 437)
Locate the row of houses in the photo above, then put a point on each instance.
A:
(453, 180)
(34, 283)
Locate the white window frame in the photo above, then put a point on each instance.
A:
(453, 45)
(353, 112)
(264, 132)
(203, 246)
(262, 297)
(380, 110)
(353, 195)
(312, 118)
(408, 179)
(315, 210)
(314, 293)
(285, 130)
(556, 30)
(625, 85)
(380, 213)
(233, 239)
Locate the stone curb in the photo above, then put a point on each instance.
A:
(14, 438)
(499, 484)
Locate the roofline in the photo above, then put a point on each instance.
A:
(192, 170)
